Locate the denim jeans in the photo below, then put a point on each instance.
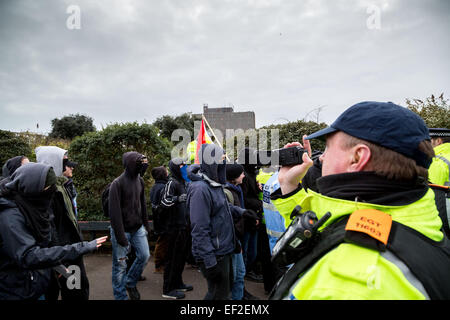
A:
(249, 248)
(237, 289)
(120, 277)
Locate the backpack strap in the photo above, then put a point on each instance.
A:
(442, 200)
(229, 195)
(428, 260)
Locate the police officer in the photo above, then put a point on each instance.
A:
(439, 172)
(373, 183)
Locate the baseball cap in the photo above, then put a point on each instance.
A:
(385, 124)
(71, 164)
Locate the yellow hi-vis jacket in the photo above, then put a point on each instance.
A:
(439, 171)
(353, 272)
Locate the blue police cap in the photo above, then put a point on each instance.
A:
(385, 124)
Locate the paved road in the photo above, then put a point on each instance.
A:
(98, 268)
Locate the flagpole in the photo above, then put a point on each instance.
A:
(212, 131)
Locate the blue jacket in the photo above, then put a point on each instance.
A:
(211, 216)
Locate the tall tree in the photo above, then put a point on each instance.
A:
(71, 126)
(167, 124)
(435, 111)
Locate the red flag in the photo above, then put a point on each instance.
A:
(201, 139)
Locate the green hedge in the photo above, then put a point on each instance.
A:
(99, 155)
(12, 145)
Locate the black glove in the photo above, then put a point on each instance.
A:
(213, 273)
(250, 214)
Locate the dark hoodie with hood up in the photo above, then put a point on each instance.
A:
(211, 215)
(127, 207)
(178, 216)
(25, 261)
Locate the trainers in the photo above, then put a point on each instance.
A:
(185, 287)
(159, 270)
(142, 278)
(174, 294)
(251, 276)
(248, 296)
(133, 293)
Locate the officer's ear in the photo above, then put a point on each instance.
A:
(361, 155)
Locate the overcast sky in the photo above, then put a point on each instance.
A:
(138, 60)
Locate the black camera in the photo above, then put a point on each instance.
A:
(298, 238)
(284, 157)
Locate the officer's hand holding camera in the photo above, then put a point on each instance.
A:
(290, 176)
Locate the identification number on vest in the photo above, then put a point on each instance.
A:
(372, 222)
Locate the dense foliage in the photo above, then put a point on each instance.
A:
(99, 155)
(12, 145)
(71, 126)
(435, 111)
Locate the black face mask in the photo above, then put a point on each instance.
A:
(35, 209)
(141, 166)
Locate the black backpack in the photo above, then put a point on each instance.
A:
(105, 200)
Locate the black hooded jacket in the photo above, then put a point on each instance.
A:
(127, 206)
(11, 166)
(212, 226)
(160, 219)
(25, 263)
(178, 214)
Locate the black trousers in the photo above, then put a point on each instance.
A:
(269, 271)
(175, 260)
(220, 288)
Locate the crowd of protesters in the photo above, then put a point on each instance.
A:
(225, 217)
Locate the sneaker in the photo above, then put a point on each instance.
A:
(159, 270)
(249, 296)
(142, 278)
(185, 287)
(174, 294)
(133, 293)
(252, 276)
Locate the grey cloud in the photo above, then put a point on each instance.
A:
(136, 60)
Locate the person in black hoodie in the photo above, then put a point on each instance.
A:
(213, 235)
(160, 217)
(27, 254)
(9, 168)
(11, 165)
(129, 225)
(174, 200)
(235, 176)
(251, 191)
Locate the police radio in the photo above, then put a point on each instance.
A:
(298, 237)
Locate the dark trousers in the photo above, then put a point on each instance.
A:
(269, 271)
(220, 287)
(175, 260)
(59, 285)
(161, 248)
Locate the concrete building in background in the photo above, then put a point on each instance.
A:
(226, 118)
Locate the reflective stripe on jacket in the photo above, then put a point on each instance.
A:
(439, 171)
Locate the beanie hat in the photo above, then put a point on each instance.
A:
(234, 170)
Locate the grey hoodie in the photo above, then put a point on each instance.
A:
(51, 155)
